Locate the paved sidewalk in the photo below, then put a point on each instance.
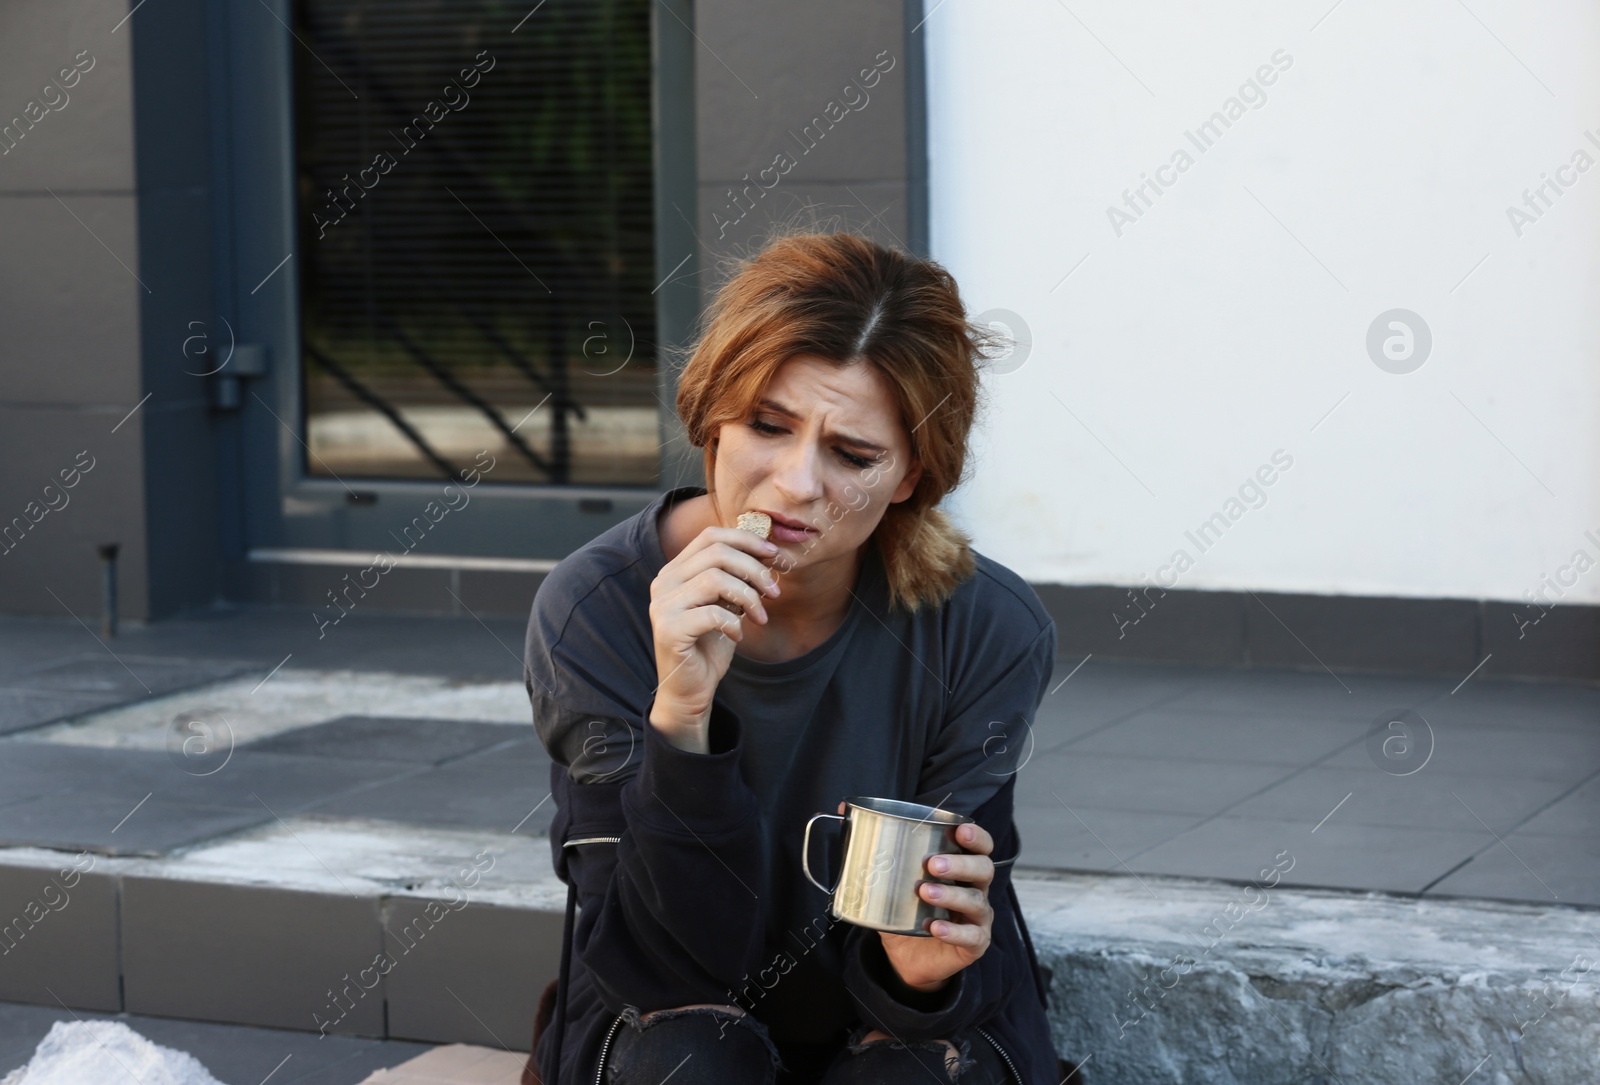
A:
(264, 804)
(1490, 789)
(50, 668)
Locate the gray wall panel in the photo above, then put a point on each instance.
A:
(69, 329)
(765, 79)
(85, 140)
(770, 69)
(69, 308)
(106, 505)
(876, 209)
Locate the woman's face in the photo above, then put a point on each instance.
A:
(823, 447)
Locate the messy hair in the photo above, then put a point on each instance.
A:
(853, 301)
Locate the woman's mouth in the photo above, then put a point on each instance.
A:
(785, 530)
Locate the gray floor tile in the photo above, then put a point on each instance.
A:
(124, 676)
(1479, 751)
(282, 781)
(1269, 740)
(236, 1054)
(399, 643)
(496, 789)
(1518, 706)
(1149, 784)
(23, 709)
(1338, 855)
(1424, 800)
(73, 820)
(1061, 720)
(1529, 867)
(1096, 673)
(1092, 839)
(84, 792)
(101, 675)
(379, 738)
(1575, 814)
(1073, 711)
(1293, 694)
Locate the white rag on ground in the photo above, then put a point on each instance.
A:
(94, 1052)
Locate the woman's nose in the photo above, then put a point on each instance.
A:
(797, 476)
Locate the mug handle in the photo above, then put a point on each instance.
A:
(805, 851)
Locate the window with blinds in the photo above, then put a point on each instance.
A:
(476, 240)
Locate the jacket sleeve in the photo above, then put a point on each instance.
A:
(668, 863)
(663, 845)
(971, 769)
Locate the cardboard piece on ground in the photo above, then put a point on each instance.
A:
(455, 1064)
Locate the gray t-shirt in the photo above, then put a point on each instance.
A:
(932, 707)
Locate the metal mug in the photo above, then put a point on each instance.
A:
(887, 843)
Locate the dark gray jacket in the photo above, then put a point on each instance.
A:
(686, 866)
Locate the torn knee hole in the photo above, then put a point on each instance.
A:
(635, 1017)
(956, 1061)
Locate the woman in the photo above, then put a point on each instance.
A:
(702, 692)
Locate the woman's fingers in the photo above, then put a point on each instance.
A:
(691, 625)
(974, 837)
(712, 586)
(976, 869)
(739, 552)
(717, 586)
(968, 935)
(702, 620)
(973, 903)
(738, 564)
(968, 902)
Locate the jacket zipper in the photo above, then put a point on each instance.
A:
(996, 1045)
(593, 840)
(600, 1069)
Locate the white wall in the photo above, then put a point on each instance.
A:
(1222, 326)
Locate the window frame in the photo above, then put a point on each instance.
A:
(278, 505)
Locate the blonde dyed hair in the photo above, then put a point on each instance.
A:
(853, 301)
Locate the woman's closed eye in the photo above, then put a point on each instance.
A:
(853, 460)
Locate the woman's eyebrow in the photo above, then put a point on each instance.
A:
(778, 408)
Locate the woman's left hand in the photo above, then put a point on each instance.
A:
(926, 964)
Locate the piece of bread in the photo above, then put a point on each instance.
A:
(758, 522)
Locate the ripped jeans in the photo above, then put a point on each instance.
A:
(705, 1046)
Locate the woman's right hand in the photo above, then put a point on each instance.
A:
(694, 635)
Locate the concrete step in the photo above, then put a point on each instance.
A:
(373, 929)
(349, 928)
(1160, 980)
